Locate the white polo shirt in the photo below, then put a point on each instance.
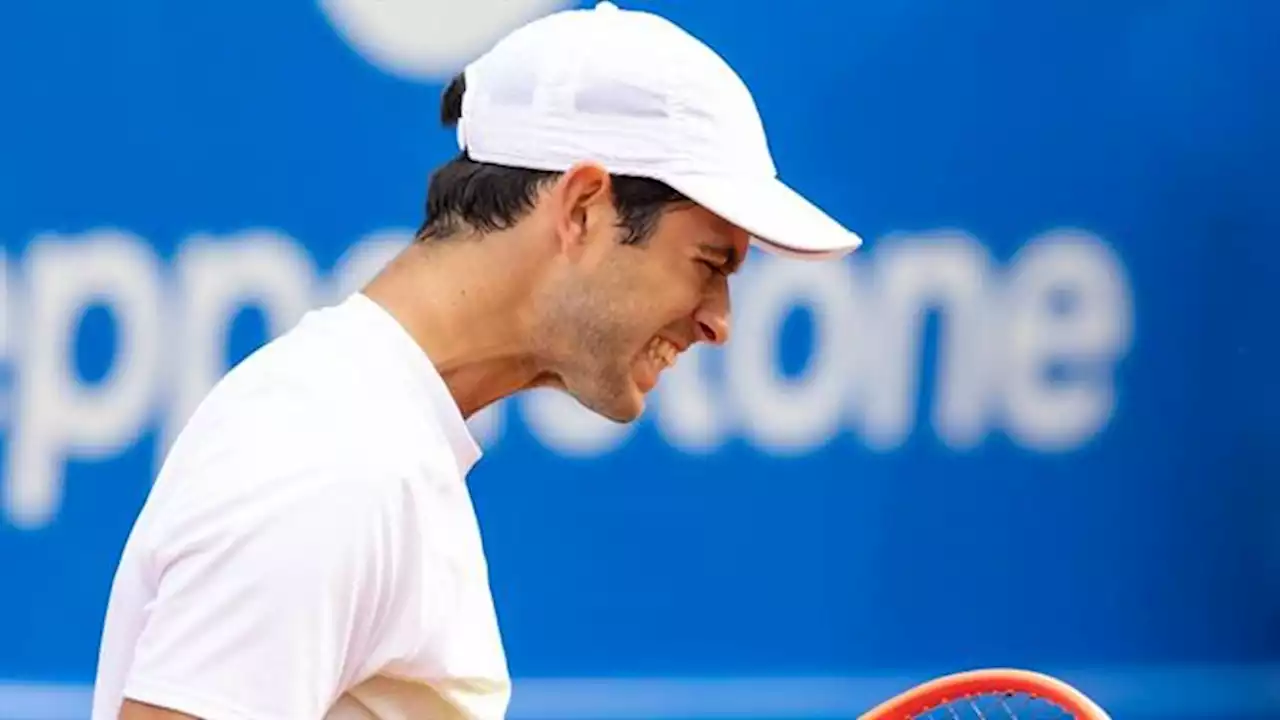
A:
(309, 549)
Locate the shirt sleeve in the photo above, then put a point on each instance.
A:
(270, 612)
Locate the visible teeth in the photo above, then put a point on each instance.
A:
(663, 352)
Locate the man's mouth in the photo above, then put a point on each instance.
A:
(662, 352)
(656, 356)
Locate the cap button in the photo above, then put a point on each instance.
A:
(606, 6)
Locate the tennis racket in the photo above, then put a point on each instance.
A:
(993, 694)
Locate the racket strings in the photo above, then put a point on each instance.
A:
(998, 706)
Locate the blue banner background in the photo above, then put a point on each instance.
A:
(1034, 423)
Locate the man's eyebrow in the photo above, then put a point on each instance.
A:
(726, 254)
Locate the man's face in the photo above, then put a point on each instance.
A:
(623, 313)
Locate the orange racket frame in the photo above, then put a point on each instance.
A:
(940, 691)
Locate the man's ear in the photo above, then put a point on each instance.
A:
(583, 205)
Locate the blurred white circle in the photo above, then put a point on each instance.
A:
(429, 40)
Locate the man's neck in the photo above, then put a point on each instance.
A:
(463, 306)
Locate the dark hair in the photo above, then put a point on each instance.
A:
(464, 194)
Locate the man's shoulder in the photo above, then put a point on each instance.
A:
(310, 407)
(312, 378)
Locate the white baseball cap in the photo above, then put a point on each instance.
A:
(641, 96)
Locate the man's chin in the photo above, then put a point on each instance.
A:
(622, 412)
(622, 408)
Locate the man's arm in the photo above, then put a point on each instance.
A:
(274, 615)
(140, 711)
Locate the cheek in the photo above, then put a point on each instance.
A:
(689, 293)
(648, 294)
(672, 299)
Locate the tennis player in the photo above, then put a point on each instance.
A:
(309, 549)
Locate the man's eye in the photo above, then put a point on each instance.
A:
(715, 267)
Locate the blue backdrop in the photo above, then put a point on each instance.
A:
(1035, 422)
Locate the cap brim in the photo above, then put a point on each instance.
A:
(779, 219)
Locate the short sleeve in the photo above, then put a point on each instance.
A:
(272, 611)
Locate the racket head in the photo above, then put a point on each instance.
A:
(990, 694)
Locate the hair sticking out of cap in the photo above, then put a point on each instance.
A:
(451, 101)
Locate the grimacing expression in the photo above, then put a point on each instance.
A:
(625, 315)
